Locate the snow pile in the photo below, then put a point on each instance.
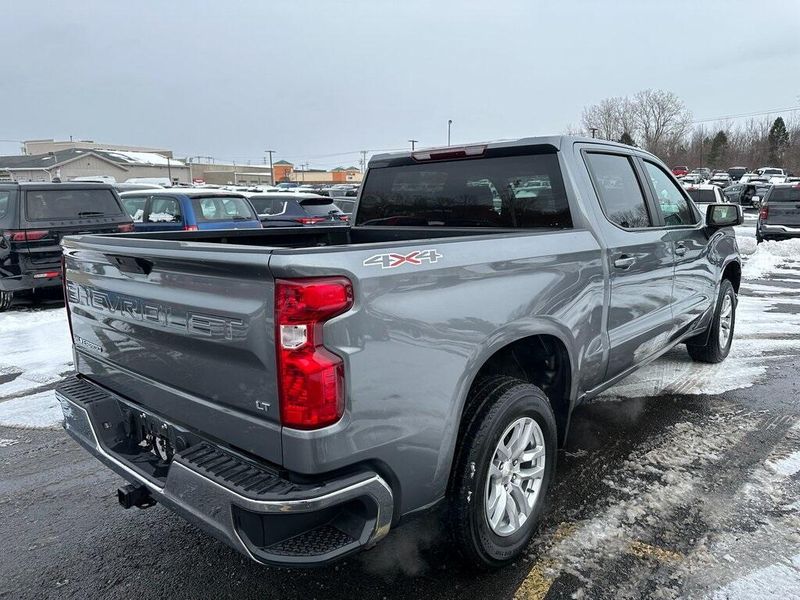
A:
(38, 411)
(769, 256)
(40, 353)
(747, 245)
(40, 350)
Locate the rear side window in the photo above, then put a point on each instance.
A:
(673, 205)
(222, 208)
(6, 197)
(619, 191)
(164, 209)
(787, 194)
(510, 191)
(61, 205)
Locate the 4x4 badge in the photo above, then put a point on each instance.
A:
(393, 259)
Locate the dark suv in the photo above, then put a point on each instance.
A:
(33, 219)
(297, 210)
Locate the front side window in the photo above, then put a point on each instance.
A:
(672, 204)
(523, 191)
(164, 210)
(619, 191)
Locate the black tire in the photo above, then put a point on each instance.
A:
(5, 300)
(494, 404)
(711, 351)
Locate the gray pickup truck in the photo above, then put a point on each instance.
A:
(298, 392)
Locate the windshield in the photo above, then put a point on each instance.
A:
(222, 208)
(508, 191)
(60, 205)
(771, 172)
(787, 194)
(703, 196)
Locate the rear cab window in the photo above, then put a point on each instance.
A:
(222, 208)
(70, 204)
(518, 191)
(784, 194)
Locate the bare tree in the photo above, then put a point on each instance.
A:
(662, 118)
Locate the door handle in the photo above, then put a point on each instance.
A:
(624, 262)
(680, 249)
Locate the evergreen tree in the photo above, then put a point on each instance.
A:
(719, 145)
(777, 141)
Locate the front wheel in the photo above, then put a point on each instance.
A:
(503, 469)
(5, 300)
(720, 334)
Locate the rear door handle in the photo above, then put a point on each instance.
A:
(680, 249)
(624, 262)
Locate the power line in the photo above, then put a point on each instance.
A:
(751, 114)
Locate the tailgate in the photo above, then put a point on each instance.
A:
(184, 329)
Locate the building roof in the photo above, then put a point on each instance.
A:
(283, 162)
(123, 159)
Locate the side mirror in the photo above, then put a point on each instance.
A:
(723, 215)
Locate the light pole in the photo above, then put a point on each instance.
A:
(449, 123)
(594, 131)
(271, 174)
(413, 142)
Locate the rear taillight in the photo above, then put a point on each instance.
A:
(190, 228)
(28, 235)
(310, 377)
(310, 220)
(763, 213)
(125, 228)
(344, 218)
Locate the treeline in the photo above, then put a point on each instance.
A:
(660, 122)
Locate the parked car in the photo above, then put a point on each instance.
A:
(189, 209)
(680, 171)
(705, 194)
(748, 195)
(779, 217)
(298, 393)
(736, 173)
(295, 209)
(769, 172)
(720, 179)
(34, 217)
(692, 179)
(286, 186)
(703, 173)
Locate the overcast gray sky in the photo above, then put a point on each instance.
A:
(319, 80)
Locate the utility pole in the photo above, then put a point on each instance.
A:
(169, 171)
(413, 142)
(271, 174)
(449, 123)
(363, 160)
(594, 131)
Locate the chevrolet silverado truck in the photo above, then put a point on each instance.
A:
(298, 392)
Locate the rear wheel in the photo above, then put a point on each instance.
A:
(720, 334)
(503, 469)
(5, 300)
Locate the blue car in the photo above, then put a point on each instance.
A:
(189, 210)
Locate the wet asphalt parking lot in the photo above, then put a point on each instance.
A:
(662, 491)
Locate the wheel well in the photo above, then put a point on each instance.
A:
(542, 360)
(733, 273)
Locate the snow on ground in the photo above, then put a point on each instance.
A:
(37, 411)
(768, 256)
(37, 353)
